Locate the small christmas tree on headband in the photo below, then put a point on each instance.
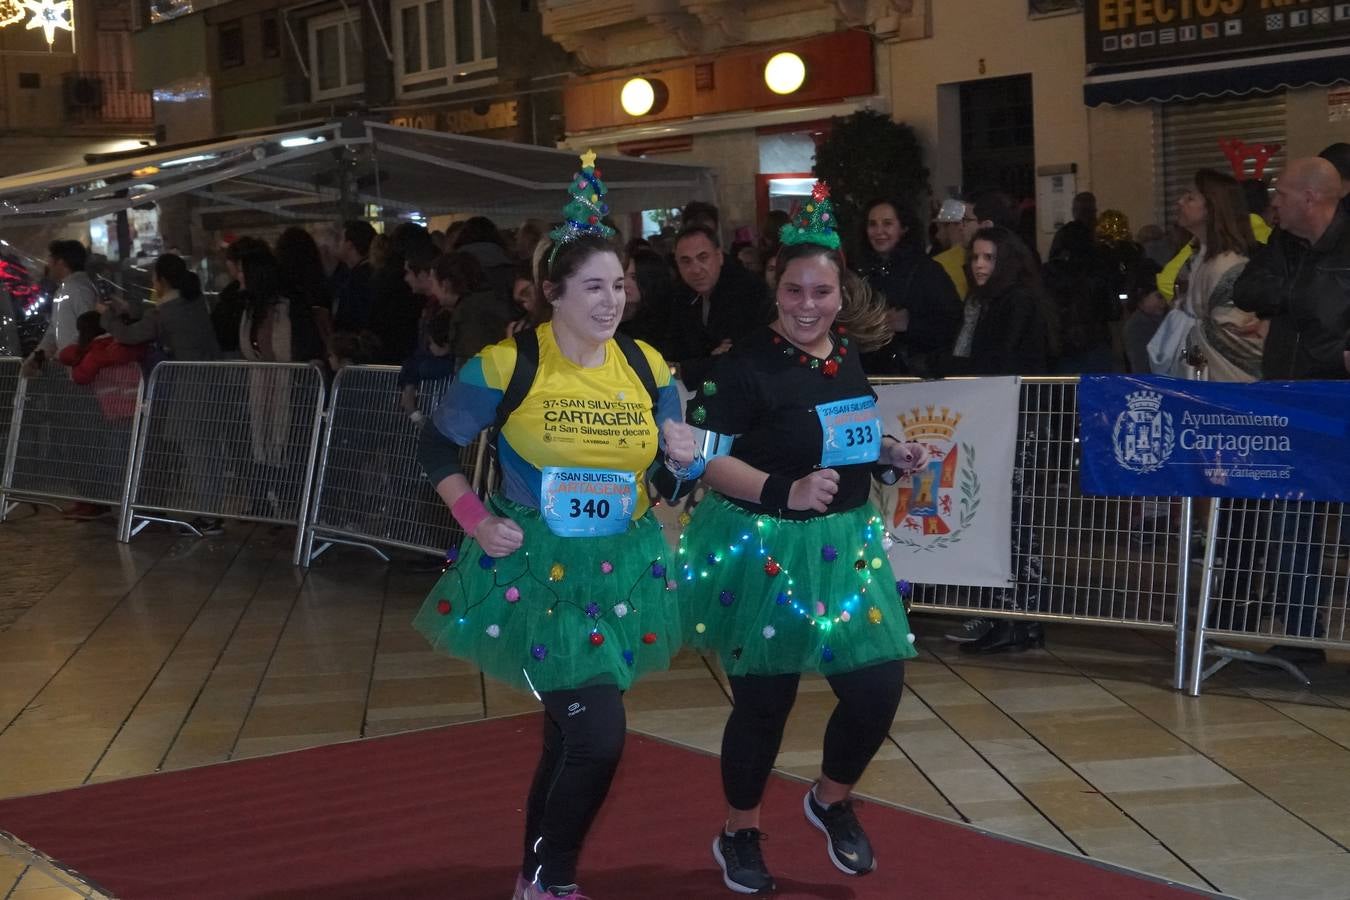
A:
(813, 222)
(585, 212)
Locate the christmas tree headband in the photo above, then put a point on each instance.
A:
(584, 213)
(813, 222)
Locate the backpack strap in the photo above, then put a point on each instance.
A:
(638, 362)
(522, 378)
(527, 367)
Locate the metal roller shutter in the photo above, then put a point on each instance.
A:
(1188, 134)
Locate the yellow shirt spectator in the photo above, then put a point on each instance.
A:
(953, 260)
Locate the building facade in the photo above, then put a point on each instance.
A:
(72, 96)
(464, 66)
(1039, 98)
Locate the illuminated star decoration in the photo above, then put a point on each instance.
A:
(48, 16)
(11, 12)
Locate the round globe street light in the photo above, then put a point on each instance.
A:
(785, 73)
(637, 97)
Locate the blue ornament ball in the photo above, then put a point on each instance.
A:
(726, 598)
(539, 651)
(452, 556)
(658, 570)
(486, 562)
(829, 553)
(628, 657)
(827, 655)
(781, 599)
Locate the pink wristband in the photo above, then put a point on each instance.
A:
(469, 511)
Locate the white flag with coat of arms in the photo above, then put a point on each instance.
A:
(951, 521)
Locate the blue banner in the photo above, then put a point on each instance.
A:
(1149, 436)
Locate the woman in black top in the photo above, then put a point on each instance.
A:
(784, 568)
(1004, 333)
(923, 308)
(1004, 329)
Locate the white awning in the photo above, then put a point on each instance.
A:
(308, 173)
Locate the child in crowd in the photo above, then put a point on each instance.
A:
(95, 351)
(432, 363)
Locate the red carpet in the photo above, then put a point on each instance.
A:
(436, 814)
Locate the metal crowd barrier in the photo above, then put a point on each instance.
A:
(226, 440)
(370, 491)
(9, 388)
(66, 441)
(1121, 561)
(1274, 573)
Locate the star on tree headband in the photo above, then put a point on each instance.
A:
(813, 222)
(585, 211)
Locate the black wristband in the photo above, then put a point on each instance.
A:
(774, 494)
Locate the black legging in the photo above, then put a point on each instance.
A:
(868, 699)
(584, 731)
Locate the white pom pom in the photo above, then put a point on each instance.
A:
(621, 610)
(769, 632)
(494, 631)
(910, 637)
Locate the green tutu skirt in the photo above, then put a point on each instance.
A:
(559, 613)
(772, 596)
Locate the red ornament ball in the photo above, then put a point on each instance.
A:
(802, 359)
(772, 568)
(842, 329)
(597, 639)
(860, 565)
(443, 607)
(831, 368)
(593, 220)
(649, 637)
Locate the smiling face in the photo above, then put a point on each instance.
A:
(589, 302)
(983, 260)
(884, 230)
(808, 299)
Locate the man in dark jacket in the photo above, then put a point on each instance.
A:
(716, 306)
(352, 281)
(1300, 282)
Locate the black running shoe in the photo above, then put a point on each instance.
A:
(850, 850)
(742, 861)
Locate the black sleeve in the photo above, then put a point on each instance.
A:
(1260, 287)
(438, 456)
(1024, 341)
(934, 309)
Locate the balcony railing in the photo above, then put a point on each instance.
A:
(105, 98)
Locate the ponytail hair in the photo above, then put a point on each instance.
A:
(173, 271)
(862, 310)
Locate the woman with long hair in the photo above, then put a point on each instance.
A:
(923, 310)
(1004, 332)
(783, 564)
(648, 287)
(1229, 339)
(562, 586)
(304, 279)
